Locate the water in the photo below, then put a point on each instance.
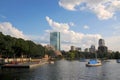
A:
(65, 70)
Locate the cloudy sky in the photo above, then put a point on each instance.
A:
(81, 22)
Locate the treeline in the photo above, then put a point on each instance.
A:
(16, 47)
(71, 55)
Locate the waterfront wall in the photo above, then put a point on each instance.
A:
(8, 60)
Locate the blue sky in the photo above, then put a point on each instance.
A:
(81, 22)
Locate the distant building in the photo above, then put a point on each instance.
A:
(110, 51)
(86, 50)
(102, 48)
(92, 49)
(55, 40)
(57, 53)
(73, 48)
(101, 42)
(78, 49)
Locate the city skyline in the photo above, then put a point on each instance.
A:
(81, 22)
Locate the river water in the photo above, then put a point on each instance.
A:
(65, 70)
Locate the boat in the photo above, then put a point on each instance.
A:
(51, 62)
(94, 62)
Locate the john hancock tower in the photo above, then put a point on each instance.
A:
(55, 40)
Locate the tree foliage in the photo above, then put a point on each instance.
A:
(77, 55)
(10, 46)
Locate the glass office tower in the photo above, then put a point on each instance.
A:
(55, 40)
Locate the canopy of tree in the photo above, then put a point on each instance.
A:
(15, 47)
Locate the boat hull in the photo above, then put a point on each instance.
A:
(93, 65)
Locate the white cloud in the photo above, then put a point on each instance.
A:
(8, 29)
(86, 27)
(41, 39)
(102, 13)
(71, 24)
(113, 43)
(57, 26)
(104, 9)
(2, 16)
(70, 4)
(70, 37)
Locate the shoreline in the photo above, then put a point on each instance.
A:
(25, 64)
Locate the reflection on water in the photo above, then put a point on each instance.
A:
(65, 70)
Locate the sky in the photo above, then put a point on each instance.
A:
(81, 22)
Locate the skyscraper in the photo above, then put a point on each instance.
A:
(101, 42)
(55, 40)
(102, 48)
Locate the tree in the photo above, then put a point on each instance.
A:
(10, 46)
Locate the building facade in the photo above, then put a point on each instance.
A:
(92, 49)
(73, 48)
(102, 48)
(101, 42)
(55, 40)
(86, 50)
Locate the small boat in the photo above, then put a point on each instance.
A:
(51, 62)
(93, 63)
(118, 60)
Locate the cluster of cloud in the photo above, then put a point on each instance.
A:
(8, 29)
(104, 9)
(113, 43)
(72, 38)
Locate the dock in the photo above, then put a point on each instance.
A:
(23, 65)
